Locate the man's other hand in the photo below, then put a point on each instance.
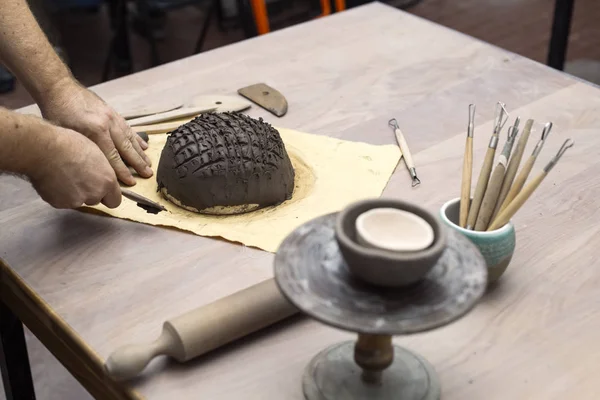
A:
(73, 171)
(72, 106)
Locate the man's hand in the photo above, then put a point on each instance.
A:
(72, 106)
(73, 172)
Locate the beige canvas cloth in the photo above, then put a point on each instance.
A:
(330, 174)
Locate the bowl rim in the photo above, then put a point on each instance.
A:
(436, 248)
(505, 229)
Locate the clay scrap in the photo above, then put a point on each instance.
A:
(225, 163)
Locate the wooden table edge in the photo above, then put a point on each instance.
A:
(59, 338)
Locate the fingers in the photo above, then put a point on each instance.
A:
(112, 155)
(138, 147)
(130, 149)
(142, 143)
(113, 196)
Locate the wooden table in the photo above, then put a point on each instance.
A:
(88, 284)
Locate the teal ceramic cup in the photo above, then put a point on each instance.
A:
(497, 247)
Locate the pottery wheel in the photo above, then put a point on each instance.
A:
(312, 274)
(332, 374)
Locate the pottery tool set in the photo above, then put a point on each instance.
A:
(501, 190)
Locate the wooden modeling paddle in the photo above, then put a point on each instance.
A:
(527, 191)
(465, 190)
(493, 190)
(522, 176)
(205, 328)
(513, 166)
(486, 169)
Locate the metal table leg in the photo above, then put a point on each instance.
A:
(561, 25)
(14, 360)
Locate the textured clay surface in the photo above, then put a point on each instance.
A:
(225, 163)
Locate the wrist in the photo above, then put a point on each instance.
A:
(33, 140)
(44, 93)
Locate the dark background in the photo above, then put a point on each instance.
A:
(81, 30)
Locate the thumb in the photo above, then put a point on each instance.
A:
(113, 196)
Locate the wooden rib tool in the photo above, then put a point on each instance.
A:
(493, 189)
(513, 166)
(524, 194)
(486, 169)
(465, 190)
(205, 328)
(524, 173)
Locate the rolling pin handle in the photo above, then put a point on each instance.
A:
(128, 361)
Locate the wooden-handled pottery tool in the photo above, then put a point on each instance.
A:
(315, 270)
(150, 109)
(204, 103)
(143, 202)
(524, 173)
(513, 166)
(486, 169)
(220, 103)
(524, 194)
(205, 328)
(493, 189)
(169, 115)
(223, 103)
(465, 190)
(267, 97)
(405, 151)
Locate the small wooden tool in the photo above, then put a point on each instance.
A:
(522, 176)
(151, 109)
(465, 192)
(486, 168)
(513, 166)
(524, 194)
(267, 97)
(223, 103)
(206, 328)
(169, 115)
(405, 152)
(493, 189)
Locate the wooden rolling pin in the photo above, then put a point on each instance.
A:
(493, 189)
(205, 328)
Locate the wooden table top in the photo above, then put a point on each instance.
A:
(532, 337)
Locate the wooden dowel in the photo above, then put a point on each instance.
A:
(482, 183)
(170, 115)
(518, 184)
(524, 173)
(513, 167)
(490, 198)
(465, 196)
(524, 194)
(517, 203)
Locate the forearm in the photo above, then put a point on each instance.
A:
(24, 140)
(25, 50)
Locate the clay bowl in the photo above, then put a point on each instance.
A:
(382, 266)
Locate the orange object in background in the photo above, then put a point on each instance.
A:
(340, 5)
(325, 7)
(261, 16)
